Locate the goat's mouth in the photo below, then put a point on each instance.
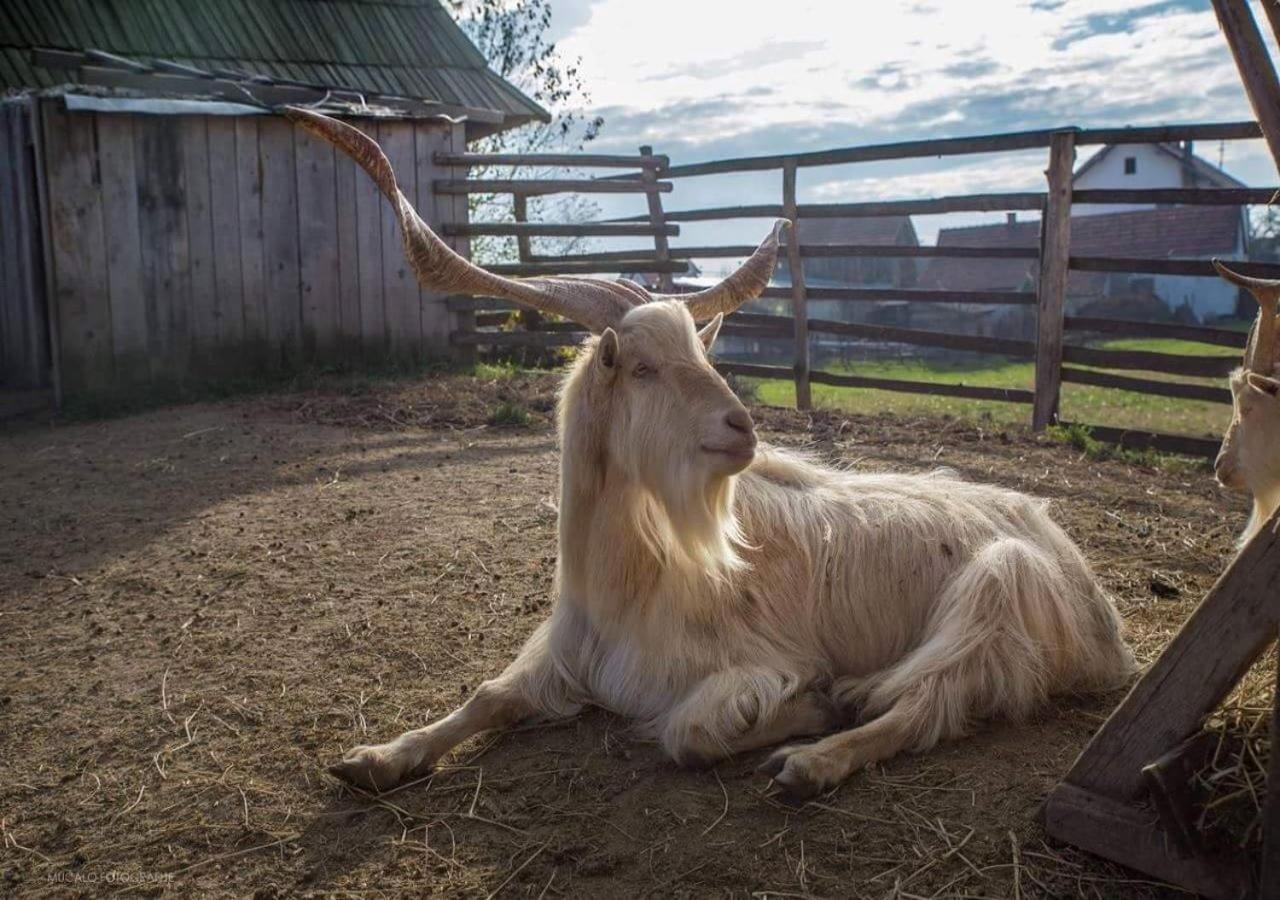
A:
(741, 452)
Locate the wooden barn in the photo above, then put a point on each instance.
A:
(159, 224)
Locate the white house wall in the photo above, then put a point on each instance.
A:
(1155, 169)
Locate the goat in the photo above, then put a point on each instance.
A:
(1249, 460)
(729, 596)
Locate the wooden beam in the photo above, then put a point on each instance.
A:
(1195, 267)
(520, 210)
(552, 229)
(969, 392)
(1131, 836)
(799, 304)
(586, 267)
(1270, 882)
(1055, 249)
(662, 249)
(991, 143)
(1147, 385)
(576, 160)
(1169, 363)
(909, 295)
(1254, 65)
(1223, 636)
(1222, 337)
(1180, 196)
(547, 186)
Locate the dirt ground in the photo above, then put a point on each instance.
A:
(202, 606)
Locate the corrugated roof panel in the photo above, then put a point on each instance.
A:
(410, 48)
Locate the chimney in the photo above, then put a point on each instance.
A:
(1011, 218)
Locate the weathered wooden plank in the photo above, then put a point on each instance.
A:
(833, 250)
(206, 311)
(548, 186)
(661, 247)
(399, 286)
(553, 229)
(1147, 385)
(431, 141)
(1055, 247)
(1196, 267)
(13, 350)
(799, 299)
(119, 173)
(1169, 363)
(27, 220)
(1254, 64)
(78, 248)
(1204, 661)
(910, 295)
(892, 334)
(582, 267)
(280, 240)
(456, 209)
(576, 160)
(518, 338)
(1126, 834)
(1220, 336)
(991, 143)
(162, 233)
(1180, 196)
(1270, 867)
(524, 243)
(347, 178)
(224, 212)
(817, 376)
(253, 273)
(319, 253)
(369, 211)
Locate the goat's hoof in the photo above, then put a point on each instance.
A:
(799, 772)
(372, 768)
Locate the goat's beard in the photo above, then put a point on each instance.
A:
(688, 522)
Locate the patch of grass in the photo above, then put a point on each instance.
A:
(1081, 438)
(1080, 402)
(497, 370)
(509, 415)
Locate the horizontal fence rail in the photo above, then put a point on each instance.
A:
(565, 229)
(1058, 359)
(548, 186)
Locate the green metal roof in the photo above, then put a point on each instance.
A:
(408, 48)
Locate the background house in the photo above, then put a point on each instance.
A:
(180, 229)
(1145, 231)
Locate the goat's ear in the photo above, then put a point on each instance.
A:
(708, 332)
(1263, 384)
(607, 348)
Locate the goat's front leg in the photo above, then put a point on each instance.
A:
(742, 709)
(528, 687)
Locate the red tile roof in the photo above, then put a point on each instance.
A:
(1177, 231)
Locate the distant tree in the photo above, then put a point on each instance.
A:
(512, 35)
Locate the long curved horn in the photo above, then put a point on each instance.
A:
(1260, 355)
(592, 302)
(747, 282)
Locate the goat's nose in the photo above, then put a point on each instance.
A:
(739, 420)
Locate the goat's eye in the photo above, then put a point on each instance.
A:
(641, 371)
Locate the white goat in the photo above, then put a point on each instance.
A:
(729, 596)
(1250, 456)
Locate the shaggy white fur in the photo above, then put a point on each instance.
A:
(728, 596)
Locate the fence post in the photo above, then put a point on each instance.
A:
(1051, 287)
(520, 208)
(1254, 65)
(658, 219)
(799, 297)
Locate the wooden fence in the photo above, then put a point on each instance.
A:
(1056, 359)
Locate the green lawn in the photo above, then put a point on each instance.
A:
(1080, 403)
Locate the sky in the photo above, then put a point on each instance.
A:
(707, 79)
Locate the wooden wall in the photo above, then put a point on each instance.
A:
(24, 344)
(191, 247)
